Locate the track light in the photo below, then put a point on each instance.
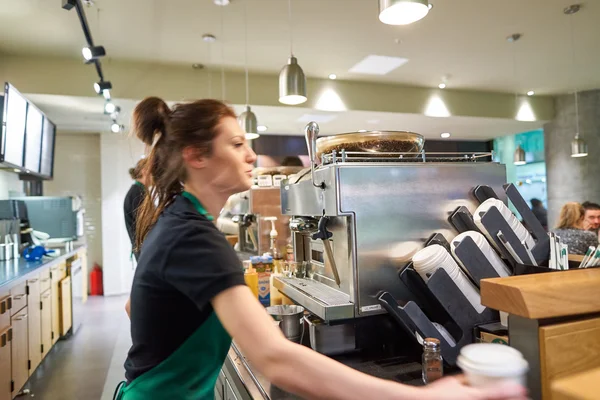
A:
(402, 12)
(93, 53)
(101, 86)
(115, 127)
(109, 108)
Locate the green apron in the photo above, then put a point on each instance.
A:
(190, 373)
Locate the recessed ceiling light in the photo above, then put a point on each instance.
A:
(530, 93)
(252, 136)
(221, 2)
(513, 38)
(378, 65)
(362, 130)
(262, 128)
(430, 6)
(208, 38)
(332, 76)
(442, 86)
(445, 135)
(17, 170)
(318, 118)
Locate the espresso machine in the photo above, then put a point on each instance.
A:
(359, 216)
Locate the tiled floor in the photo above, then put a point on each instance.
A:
(88, 365)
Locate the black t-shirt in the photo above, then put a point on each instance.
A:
(133, 201)
(184, 263)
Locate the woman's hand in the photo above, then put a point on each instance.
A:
(453, 388)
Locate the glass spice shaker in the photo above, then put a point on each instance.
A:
(433, 364)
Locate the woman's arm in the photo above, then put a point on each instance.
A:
(300, 370)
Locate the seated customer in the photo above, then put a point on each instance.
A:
(573, 230)
(537, 207)
(592, 216)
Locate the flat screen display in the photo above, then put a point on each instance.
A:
(14, 118)
(33, 138)
(48, 136)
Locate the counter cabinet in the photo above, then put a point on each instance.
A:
(35, 312)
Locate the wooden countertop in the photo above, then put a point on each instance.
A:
(548, 295)
(583, 386)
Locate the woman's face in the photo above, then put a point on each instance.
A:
(231, 161)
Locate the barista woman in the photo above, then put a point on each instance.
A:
(188, 298)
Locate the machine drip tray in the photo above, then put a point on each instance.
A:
(320, 299)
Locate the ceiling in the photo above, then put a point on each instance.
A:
(84, 114)
(464, 39)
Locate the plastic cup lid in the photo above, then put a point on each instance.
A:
(492, 359)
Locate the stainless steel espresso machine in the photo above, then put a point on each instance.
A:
(359, 217)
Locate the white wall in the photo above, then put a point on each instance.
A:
(118, 153)
(9, 182)
(77, 172)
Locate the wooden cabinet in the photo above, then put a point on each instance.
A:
(46, 322)
(65, 306)
(57, 273)
(34, 322)
(567, 349)
(19, 350)
(45, 280)
(5, 304)
(19, 297)
(5, 364)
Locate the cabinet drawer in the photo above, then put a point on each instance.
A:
(19, 298)
(58, 272)
(5, 306)
(45, 280)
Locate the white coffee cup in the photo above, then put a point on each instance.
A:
(490, 363)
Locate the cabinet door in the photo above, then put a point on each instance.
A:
(65, 306)
(20, 351)
(5, 303)
(19, 297)
(46, 322)
(45, 280)
(5, 374)
(55, 290)
(34, 322)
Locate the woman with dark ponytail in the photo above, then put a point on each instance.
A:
(188, 298)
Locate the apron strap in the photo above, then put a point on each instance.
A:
(119, 391)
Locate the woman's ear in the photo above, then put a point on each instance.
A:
(194, 157)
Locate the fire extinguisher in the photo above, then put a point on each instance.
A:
(96, 281)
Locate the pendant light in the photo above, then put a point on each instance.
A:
(578, 145)
(402, 12)
(292, 82)
(519, 158)
(247, 119)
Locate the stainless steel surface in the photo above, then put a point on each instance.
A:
(289, 317)
(409, 157)
(244, 370)
(524, 336)
(311, 133)
(381, 215)
(331, 260)
(247, 121)
(330, 339)
(320, 299)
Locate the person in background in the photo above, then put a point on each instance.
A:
(189, 299)
(292, 161)
(573, 229)
(592, 216)
(537, 207)
(133, 200)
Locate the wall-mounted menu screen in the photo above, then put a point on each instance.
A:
(13, 126)
(33, 138)
(48, 138)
